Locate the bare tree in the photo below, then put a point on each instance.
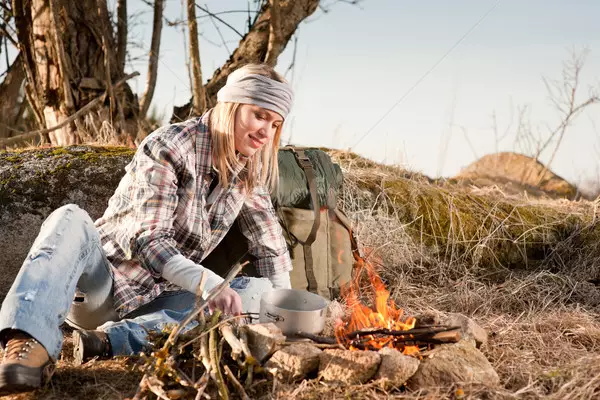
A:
(68, 58)
(198, 94)
(563, 95)
(153, 59)
(253, 46)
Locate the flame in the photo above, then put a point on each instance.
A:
(340, 256)
(384, 315)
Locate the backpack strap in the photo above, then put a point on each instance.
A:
(308, 169)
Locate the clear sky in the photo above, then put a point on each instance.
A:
(354, 63)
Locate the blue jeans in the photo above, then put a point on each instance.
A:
(66, 277)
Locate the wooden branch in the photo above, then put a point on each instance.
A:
(8, 36)
(215, 365)
(402, 338)
(236, 384)
(198, 94)
(153, 59)
(275, 38)
(23, 23)
(201, 385)
(84, 110)
(220, 20)
(317, 338)
(122, 25)
(391, 332)
(235, 344)
(203, 304)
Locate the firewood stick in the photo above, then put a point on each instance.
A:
(329, 346)
(202, 305)
(236, 384)
(204, 353)
(448, 337)
(207, 331)
(214, 364)
(243, 336)
(236, 347)
(391, 332)
(453, 336)
(201, 384)
(317, 338)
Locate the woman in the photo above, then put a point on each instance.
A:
(138, 267)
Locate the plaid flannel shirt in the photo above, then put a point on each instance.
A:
(159, 210)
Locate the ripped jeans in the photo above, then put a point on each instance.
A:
(66, 258)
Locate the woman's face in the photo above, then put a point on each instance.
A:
(254, 127)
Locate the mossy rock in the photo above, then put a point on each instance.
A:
(33, 183)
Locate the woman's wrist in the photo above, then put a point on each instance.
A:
(281, 280)
(186, 274)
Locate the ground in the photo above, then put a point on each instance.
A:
(525, 269)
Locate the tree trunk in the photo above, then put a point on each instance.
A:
(121, 35)
(153, 58)
(275, 40)
(198, 94)
(253, 47)
(10, 90)
(64, 59)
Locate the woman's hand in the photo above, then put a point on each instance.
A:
(228, 301)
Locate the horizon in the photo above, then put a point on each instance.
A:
(363, 70)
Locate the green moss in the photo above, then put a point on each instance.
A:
(480, 230)
(13, 159)
(59, 151)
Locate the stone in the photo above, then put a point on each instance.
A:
(33, 183)
(348, 366)
(456, 363)
(294, 362)
(263, 340)
(334, 311)
(469, 328)
(395, 368)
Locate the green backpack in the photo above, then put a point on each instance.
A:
(318, 234)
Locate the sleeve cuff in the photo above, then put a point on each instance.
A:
(185, 273)
(269, 266)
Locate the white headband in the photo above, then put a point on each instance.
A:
(258, 90)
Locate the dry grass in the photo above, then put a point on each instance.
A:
(539, 305)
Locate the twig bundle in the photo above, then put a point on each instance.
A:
(195, 363)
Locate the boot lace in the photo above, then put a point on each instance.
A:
(19, 348)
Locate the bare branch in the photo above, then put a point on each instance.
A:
(220, 20)
(153, 59)
(275, 40)
(563, 96)
(220, 34)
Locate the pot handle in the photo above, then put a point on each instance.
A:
(274, 317)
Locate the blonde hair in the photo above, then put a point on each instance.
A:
(262, 168)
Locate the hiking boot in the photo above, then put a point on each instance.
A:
(26, 365)
(90, 344)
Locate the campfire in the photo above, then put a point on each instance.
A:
(374, 340)
(384, 324)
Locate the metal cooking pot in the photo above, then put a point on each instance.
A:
(293, 310)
